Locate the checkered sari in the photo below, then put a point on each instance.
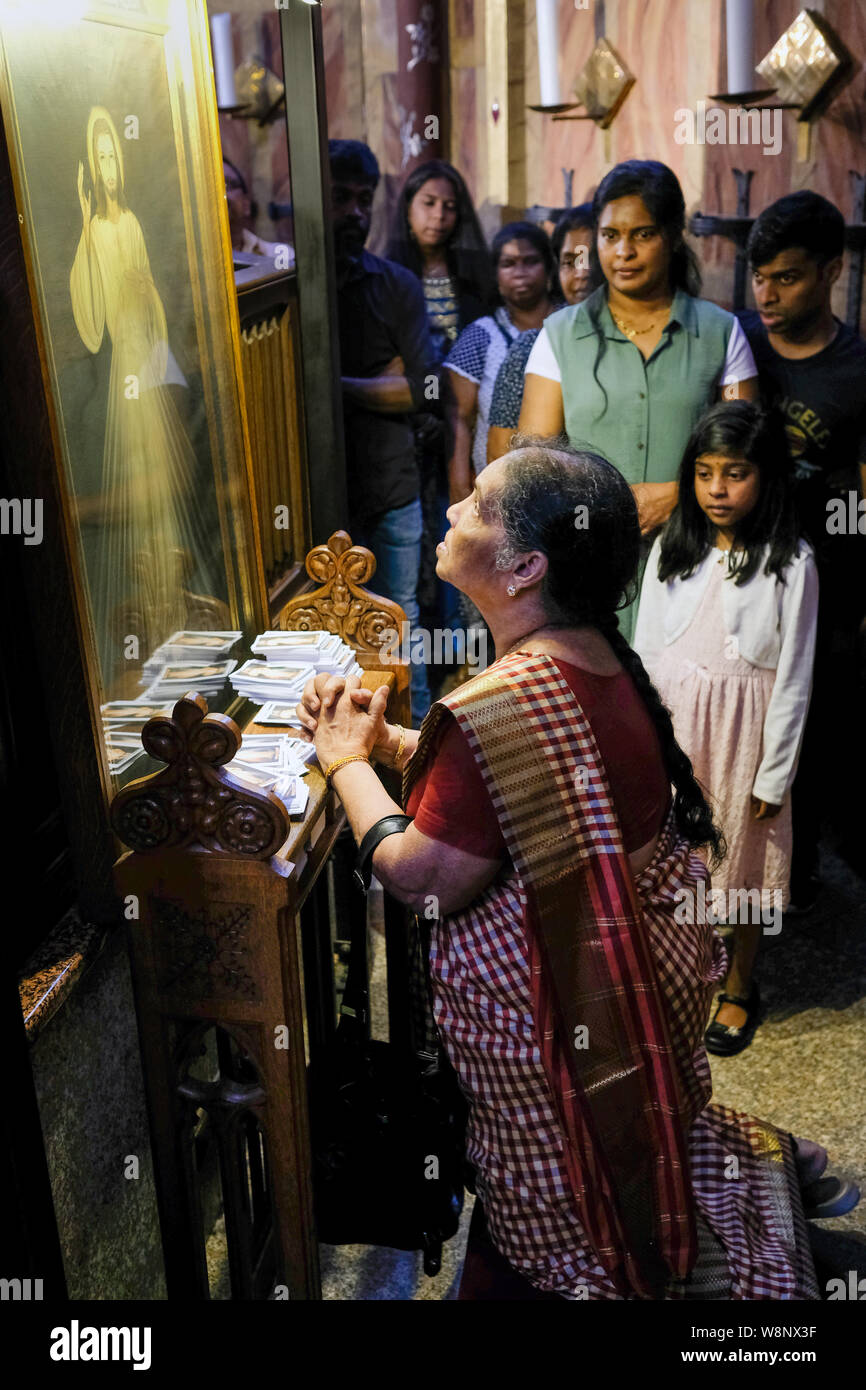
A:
(573, 1008)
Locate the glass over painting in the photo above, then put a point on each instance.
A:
(110, 117)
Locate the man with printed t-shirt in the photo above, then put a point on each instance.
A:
(812, 369)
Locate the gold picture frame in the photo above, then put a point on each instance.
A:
(111, 125)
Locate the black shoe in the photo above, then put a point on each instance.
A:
(829, 1197)
(722, 1039)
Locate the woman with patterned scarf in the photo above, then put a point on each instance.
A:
(554, 824)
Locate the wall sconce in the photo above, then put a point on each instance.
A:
(740, 45)
(249, 92)
(547, 25)
(602, 86)
(260, 91)
(808, 64)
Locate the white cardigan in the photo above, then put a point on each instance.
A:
(774, 627)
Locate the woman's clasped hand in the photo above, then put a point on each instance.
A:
(341, 718)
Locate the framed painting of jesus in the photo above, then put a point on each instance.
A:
(111, 125)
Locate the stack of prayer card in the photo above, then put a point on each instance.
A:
(262, 681)
(122, 723)
(270, 764)
(174, 679)
(277, 712)
(189, 649)
(323, 651)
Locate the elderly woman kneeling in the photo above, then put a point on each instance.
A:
(555, 821)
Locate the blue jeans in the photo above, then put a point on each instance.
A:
(395, 540)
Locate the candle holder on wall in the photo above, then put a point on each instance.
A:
(261, 94)
(559, 107)
(807, 65)
(602, 86)
(758, 97)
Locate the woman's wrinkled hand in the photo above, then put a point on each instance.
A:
(764, 810)
(311, 703)
(343, 725)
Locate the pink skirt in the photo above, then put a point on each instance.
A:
(718, 702)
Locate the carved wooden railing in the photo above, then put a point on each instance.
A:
(341, 604)
(232, 956)
(213, 887)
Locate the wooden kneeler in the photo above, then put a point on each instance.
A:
(212, 890)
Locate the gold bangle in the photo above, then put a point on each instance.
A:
(400, 747)
(342, 762)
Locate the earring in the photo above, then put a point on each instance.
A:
(511, 590)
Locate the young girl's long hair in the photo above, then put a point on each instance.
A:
(736, 429)
(466, 251)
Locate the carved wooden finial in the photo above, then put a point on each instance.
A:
(194, 800)
(341, 605)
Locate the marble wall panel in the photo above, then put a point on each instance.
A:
(87, 1074)
(379, 20)
(389, 118)
(419, 84)
(463, 18)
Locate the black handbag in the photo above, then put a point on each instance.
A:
(387, 1127)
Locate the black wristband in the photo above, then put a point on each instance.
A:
(388, 825)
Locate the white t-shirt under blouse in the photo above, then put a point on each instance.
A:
(739, 363)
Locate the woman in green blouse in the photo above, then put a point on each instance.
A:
(629, 372)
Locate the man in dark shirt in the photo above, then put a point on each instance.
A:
(812, 368)
(388, 366)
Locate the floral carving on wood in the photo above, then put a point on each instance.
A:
(204, 953)
(341, 604)
(194, 800)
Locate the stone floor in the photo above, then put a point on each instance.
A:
(803, 1071)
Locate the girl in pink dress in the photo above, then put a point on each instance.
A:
(726, 629)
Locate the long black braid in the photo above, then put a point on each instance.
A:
(548, 488)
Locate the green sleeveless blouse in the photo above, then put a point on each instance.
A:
(652, 406)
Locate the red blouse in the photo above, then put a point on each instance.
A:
(450, 802)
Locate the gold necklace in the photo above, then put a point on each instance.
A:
(637, 332)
